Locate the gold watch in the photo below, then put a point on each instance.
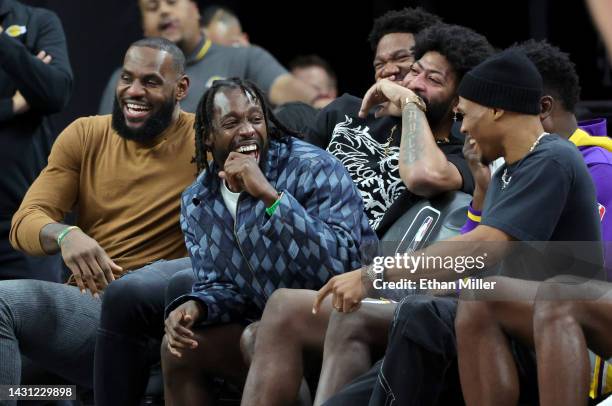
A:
(413, 98)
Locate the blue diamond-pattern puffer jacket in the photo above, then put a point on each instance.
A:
(318, 230)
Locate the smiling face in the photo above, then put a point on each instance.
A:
(147, 93)
(393, 56)
(238, 125)
(478, 122)
(176, 20)
(433, 79)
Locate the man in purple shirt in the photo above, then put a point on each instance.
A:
(596, 148)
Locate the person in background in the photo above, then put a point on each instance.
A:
(318, 73)
(35, 82)
(179, 22)
(223, 27)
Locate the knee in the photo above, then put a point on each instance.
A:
(190, 359)
(473, 316)
(6, 316)
(247, 342)
(122, 302)
(170, 362)
(13, 294)
(180, 284)
(287, 309)
(346, 328)
(560, 315)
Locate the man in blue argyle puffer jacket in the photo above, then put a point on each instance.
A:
(269, 212)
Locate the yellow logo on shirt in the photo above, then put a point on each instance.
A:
(16, 30)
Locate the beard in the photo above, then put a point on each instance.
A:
(436, 111)
(151, 128)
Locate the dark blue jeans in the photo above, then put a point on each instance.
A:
(131, 328)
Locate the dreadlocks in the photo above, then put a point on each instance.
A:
(205, 114)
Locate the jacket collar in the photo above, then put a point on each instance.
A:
(5, 7)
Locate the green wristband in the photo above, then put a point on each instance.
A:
(270, 210)
(64, 233)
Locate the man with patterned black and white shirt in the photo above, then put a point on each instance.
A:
(369, 147)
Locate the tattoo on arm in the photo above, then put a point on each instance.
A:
(411, 143)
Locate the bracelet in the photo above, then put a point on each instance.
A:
(417, 101)
(270, 210)
(474, 215)
(373, 275)
(64, 233)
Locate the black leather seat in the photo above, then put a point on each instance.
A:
(429, 220)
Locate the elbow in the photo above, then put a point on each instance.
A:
(56, 97)
(60, 96)
(423, 183)
(276, 94)
(13, 233)
(286, 88)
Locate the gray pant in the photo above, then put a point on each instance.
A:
(50, 323)
(55, 325)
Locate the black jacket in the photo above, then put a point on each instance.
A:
(26, 139)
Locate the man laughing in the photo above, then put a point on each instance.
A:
(269, 212)
(124, 176)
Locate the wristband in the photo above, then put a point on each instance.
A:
(473, 220)
(270, 210)
(473, 214)
(373, 275)
(64, 233)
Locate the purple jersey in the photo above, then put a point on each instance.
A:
(596, 149)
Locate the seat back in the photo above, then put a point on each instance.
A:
(427, 221)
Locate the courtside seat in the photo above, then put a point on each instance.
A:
(427, 221)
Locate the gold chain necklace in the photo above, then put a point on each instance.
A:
(390, 140)
(505, 178)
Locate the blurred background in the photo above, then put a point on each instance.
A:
(99, 32)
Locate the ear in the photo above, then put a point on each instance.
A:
(245, 41)
(208, 142)
(497, 113)
(182, 87)
(195, 9)
(547, 104)
(454, 104)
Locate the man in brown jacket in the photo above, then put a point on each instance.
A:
(123, 174)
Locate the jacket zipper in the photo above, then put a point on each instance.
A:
(263, 292)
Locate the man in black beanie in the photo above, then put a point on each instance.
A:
(540, 194)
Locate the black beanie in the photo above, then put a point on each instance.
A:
(508, 80)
